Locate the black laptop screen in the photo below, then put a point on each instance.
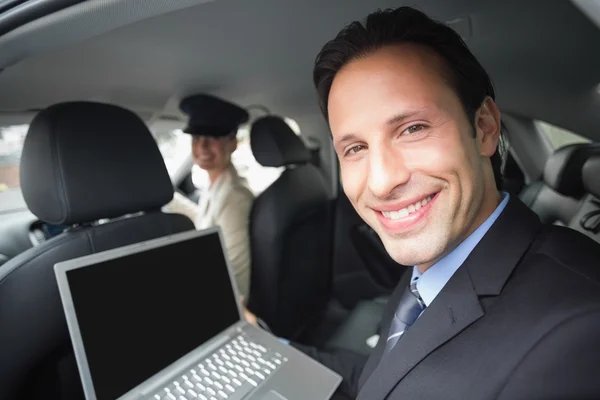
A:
(139, 313)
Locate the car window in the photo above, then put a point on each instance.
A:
(175, 146)
(12, 138)
(559, 137)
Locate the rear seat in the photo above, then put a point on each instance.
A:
(587, 218)
(556, 197)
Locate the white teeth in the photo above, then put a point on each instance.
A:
(405, 212)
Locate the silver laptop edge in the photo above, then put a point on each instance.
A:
(155, 381)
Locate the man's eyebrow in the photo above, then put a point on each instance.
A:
(345, 139)
(397, 119)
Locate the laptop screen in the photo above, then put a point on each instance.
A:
(139, 313)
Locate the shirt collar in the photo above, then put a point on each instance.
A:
(431, 283)
(226, 176)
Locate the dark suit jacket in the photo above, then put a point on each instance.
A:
(520, 319)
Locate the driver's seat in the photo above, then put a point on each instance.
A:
(290, 230)
(82, 162)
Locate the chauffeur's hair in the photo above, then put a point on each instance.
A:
(407, 25)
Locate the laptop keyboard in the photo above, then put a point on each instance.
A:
(230, 372)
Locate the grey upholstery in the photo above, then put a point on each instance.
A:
(556, 198)
(81, 162)
(591, 176)
(290, 233)
(563, 169)
(551, 206)
(587, 218)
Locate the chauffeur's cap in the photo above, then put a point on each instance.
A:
(211, 116)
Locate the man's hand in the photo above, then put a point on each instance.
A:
(250, 317)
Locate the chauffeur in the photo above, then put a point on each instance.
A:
(227, 202)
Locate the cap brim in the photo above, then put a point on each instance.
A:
(208, 131)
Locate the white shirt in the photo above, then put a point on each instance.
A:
(227, 203)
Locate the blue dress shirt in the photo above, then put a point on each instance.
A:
(432, 281)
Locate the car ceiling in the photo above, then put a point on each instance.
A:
(542, 56)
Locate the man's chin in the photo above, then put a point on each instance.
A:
(411, 252)
(204, 165)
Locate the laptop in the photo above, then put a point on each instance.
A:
(162, 320)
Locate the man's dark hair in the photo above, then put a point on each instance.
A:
(407, 25)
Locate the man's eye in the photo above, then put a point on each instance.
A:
(355, 149)
(413, 129)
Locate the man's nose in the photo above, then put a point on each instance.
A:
(387, 170)
(202, 142)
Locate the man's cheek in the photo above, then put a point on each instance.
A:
(351, 191)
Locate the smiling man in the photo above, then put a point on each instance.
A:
(497, 305)
(415, 166)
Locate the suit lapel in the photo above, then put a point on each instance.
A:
(373, 360)
(484, 272)
(455, 308)
(493, 260)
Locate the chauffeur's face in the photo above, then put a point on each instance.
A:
(213, 153)
(410, 163)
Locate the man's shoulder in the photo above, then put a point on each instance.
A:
(241, 192)
(556, 282)
(237, 194)
(572, 253)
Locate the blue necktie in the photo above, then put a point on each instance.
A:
(410, 307)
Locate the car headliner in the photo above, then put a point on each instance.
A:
(543, 57)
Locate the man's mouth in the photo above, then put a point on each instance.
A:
(405, 215)
(408, 210)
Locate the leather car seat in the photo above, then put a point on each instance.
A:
(82, 162)
(290, 233)
(555, 198)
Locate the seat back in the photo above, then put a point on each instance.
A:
(587, 218)
(556, 197)
(82, 162)
(290, 233)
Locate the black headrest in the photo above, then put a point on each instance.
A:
(564, 168)
(274, 143)
(85, 161)
(591, 175)
(212, 116)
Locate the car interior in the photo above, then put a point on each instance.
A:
(91, 149)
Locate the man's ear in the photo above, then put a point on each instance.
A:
(488, 127)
